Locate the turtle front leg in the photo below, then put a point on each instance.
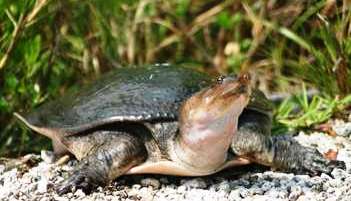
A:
(283, 153)
(109, 159)
(253, 141)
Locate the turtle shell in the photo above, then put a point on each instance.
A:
(134, 94)
(126, 94)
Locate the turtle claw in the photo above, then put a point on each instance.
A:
(313, 163)
(77, 181)
(291, 156)
(337, 164)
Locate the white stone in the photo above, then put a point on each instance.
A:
(42, 185)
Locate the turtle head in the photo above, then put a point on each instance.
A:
(226, 96)
(208, 120)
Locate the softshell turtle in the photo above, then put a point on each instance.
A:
(166, 120)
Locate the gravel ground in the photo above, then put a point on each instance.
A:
(37, 182)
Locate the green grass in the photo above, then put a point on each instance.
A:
(48, 47)
(299, 112)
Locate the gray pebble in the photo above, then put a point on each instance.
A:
(42, 185)
(223, 186)
(150, 182)
(303, 178)
(339, 174)
(194, 183)
(317, 187)
(61, 198)
(137, 186)
(235, 195)
(256, 190)
(181, 189)
(146, 194)
(342, 129)
(277, 193)
(79, 193)
(2, 169)
(244, 192)
(72, 163)
(47, 156)
(164, 180)
(295, 192)
(335, 183)
(266, 186)
(325, 177)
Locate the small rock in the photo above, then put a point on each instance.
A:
(325, 177)
(59, 198)
(295, 192)
(266, 186)
(79, 193)
(45, 199)
(235, 195)
(277, 193)
(342, 129)
(42, 185)
(194, 183)
(181, 189)
(335, 183)
(99, 189)
(136, 186)
(69, 195)
(244, 182)
(62, 160)
(317, 184)
(47, 156)
(150, 182)
(164, 180)
(146, 194)
(303, 178)
(2, 169)
(224, 186)
(72, 163)
(256, 190)
(338, 174)
(244, 192)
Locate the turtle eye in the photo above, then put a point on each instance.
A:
(220, 79)
(223, 79)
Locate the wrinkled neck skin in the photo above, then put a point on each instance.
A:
(203, 143)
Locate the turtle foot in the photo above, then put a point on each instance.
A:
(78, 180)
(313, 162)
(117, 154)
(296, 158)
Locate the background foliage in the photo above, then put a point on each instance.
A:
(47, 47)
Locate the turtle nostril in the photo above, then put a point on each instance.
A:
(245, 77)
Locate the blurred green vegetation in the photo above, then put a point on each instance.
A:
(47, 47)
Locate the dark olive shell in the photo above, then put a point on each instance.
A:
(125, 94)
(148, 93)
